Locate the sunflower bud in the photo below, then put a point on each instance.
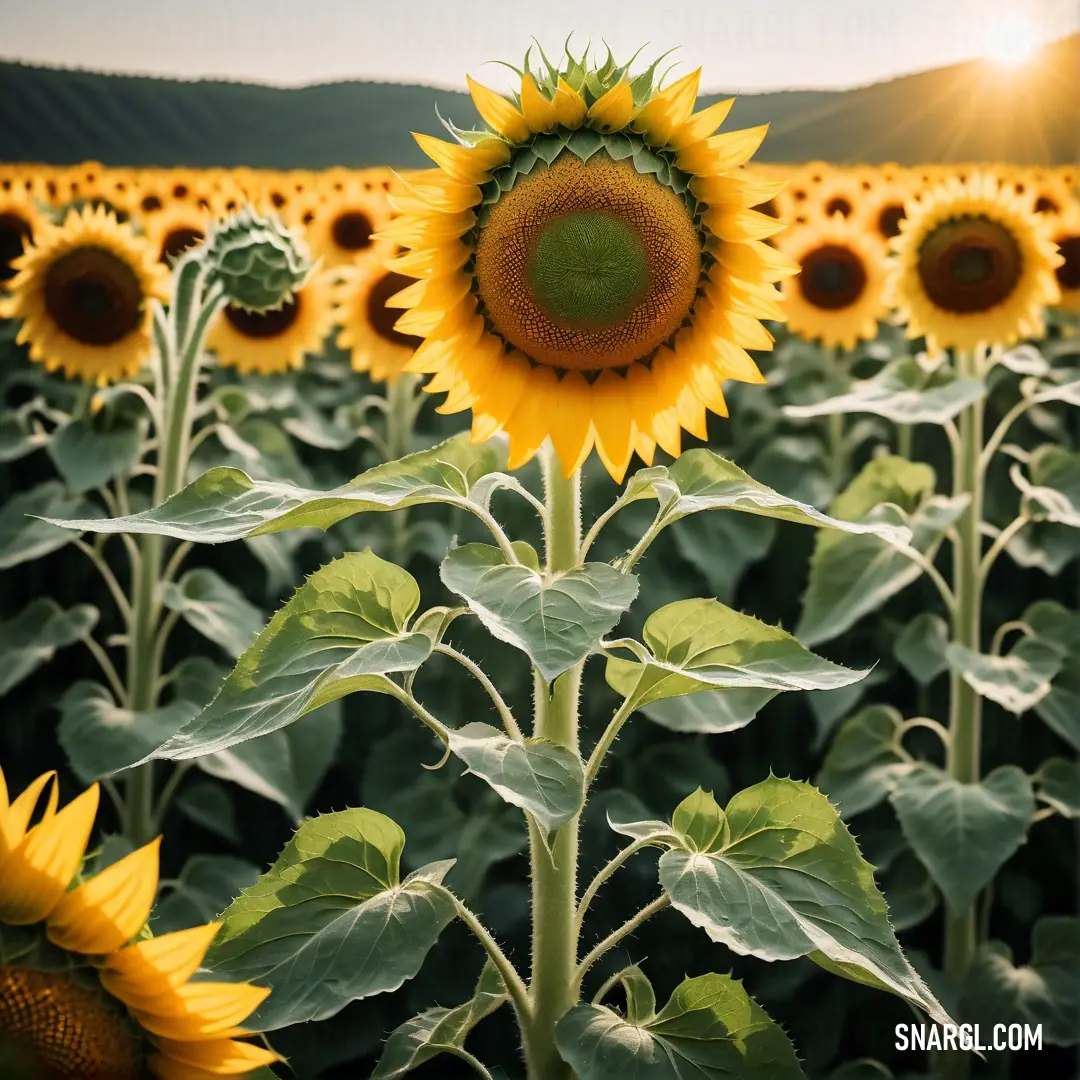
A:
(258, 261)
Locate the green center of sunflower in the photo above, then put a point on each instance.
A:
(586, 265)
(93, 296)
(969, 264)
(588, 269)
(52, 1029)
(832, 277)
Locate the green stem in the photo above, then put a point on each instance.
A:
(837, 450)
(401, 410)
(553, 984)
(965, 706)
(904, 433)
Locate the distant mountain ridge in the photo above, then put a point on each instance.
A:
(966, 112)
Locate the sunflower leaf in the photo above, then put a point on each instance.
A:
(216, 608)
(88, 457)
(27, 531)
(555, 620)
(1017, 681)
(789, 855)
(344, 630)
(710, 1027)
(227, 504)
(31, 638)
(332, 921)
(701, 645)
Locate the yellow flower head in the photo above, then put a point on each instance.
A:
(83, 292)
(590, 267)
(837, 298)
(20, 221)
(88, 995)
(974, 266)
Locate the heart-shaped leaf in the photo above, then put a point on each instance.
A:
(32, 637)
(438, 1031)
(921, 647)
(710, 712)
(1053, 493)
(343, 631)
(331, 921)
(697, 645)
(963, 833)
(227, 504)
(541, 777)
(25, 530)
(791, 882)
(1017, 681)
(216, 608)
(903, 393)
(709, 1028)
(556, 620)
(88, 457)
(862, 764)
(1057, 783)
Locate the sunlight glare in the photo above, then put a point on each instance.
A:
(1011, 40)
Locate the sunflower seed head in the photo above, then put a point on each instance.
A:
(259, 262)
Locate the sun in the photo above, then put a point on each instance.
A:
(1011, 40)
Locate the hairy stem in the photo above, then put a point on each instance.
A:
(401, 410)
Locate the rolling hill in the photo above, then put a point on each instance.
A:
(966, 112)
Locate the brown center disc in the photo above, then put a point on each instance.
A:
(381, 318)
(178, 240)
(832, 277)
(93, 296)
(264, 324)
(889, 218)
(1068, 273)
(838, 204)
(352, 230)
(60, 1031)
(969, 264)
(586, 265)
(15, 234)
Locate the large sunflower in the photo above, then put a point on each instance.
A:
(366, 321)
(1065, 233)
(591, 270)
(83, 292)
(974, 266)
(837, 298)
(277, 340)
(19, 222)
(85, 992)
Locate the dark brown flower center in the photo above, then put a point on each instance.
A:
(178, 240)
(889, 218)
(587, 265)
(1068, 273)
(832, 277)
(57, 1030)
(838, 204)
(264, 324)
(1045, 205)
(15, 234)
(969, 264)
(382, 318)
(94, 296)
(150, 203)
(352, 230)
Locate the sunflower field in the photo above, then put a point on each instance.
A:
(596, 606)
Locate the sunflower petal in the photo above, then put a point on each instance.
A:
(15, 819)
(198, 1011)
(613, 423)
(214, 1057)
(498, 113)
(540, 114)
(670, 109)
(722, 153)
(613, 110)
(107, 911)
(569, 105)
(571, 431)
(148, 969)
(466, 164)
(701, 125)
(527, 426)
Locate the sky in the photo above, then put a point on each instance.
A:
(743, 45)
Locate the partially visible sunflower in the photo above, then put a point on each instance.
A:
(840, 192)
(20, 222)
(177, 228)
(366, 321)
(345, 222)
(884, 207)
(974, 266)
(592, 271)
(83, 292)
(88, 994)
(1065, 233)
(837, 298)
(274, 341)
(1048, 194)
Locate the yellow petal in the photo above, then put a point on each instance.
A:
(722, 153)
(527, 426)
(150, 968)
(199, 1010)
(107, 911)
(498, 113)
(701, 125)
(540, 114)
(497, 404)
(434, 188)
(733, 362)
(644, 446)
(215, 1057)
(571, 421)
(444, 259)
(569, 105)
(614, 110)
(15, 818)
(754, 260)
(427, 231)
(613, 423)
(38, 872)
(669, 109)
(734, 223)
(466, 164)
